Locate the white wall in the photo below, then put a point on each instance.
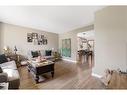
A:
(12, 35)
(74, 41)
(0, 39)
(110, 39)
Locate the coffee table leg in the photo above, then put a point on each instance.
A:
(37, 79)
(28, 70)
(52, 73)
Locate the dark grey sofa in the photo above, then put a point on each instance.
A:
(10, 74)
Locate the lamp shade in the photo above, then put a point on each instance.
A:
(5, 48)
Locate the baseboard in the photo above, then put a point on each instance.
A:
(69, 60)
(96, 75)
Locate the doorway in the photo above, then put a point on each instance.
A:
(85, 52)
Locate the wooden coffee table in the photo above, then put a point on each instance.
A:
(40, 68)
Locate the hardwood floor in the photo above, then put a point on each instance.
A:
(118, 81)
(67, 76)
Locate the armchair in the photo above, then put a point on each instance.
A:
(9, 73)
(3, 77)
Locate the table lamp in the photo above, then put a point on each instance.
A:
(6, 50)
(15, 49)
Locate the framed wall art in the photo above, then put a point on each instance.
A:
(66, 47)
(37, 39)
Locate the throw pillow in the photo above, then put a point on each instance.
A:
(48, 52)
(3, 59)
(35, 53)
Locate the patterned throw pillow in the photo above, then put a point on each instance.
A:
(48, 52)
(3, 59)
(35, 53)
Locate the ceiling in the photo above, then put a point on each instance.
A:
(89, 35)
(56, 19)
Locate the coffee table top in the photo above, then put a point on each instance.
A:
(39, 64)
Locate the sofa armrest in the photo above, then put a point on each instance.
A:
(8, 65)
(3, 77)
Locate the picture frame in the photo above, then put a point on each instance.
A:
(36, 39)
(29, 37)
(45, 42)
(35, 35)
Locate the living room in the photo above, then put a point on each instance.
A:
(17, 43)
(30, 40)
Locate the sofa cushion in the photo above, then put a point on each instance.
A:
(3, 59)
(48, 52)
(49, 57)
(42, 52)
(12, 74)
(9, 65)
